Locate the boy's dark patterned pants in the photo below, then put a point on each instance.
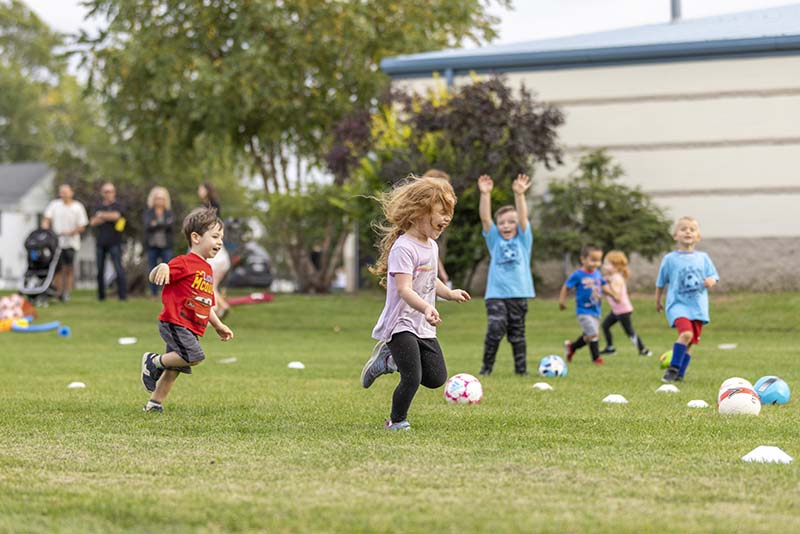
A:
(506, 317)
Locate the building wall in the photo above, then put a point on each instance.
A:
(16, 223)
(715, 139)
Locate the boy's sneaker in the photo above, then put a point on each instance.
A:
(611, 349)
(569, 352)
(150, 373)
(599, 361)
(671, 375)
(379, 363)
(402, 425)
(485, 371)
(153, 407)
(645, 352)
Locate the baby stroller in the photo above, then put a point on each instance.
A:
(43, 253)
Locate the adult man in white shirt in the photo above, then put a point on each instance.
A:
(67, 218)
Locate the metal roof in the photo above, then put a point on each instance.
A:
(762, 32)
(16, 179)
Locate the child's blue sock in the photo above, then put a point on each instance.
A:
(686, 359)
(678, 351)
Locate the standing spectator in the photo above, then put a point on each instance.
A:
(209, 197)
(158, 231)
(221, 262)
(109, 222)
(67, 218)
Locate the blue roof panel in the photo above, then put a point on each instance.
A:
(768, 30)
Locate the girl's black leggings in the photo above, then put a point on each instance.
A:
(627, 325)
(419, 361)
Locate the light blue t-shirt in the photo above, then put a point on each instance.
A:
(685, 274)
(588, 291)
(509, 264)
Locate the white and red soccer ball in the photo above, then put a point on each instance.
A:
(463, 388)
(739, 400)
(733, 381)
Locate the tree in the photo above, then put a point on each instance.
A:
(29, 72)
(593, 207)
(485, 127)
(268, 78)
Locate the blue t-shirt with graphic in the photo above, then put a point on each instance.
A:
(685, 274)
(509, 264)
(588, 291)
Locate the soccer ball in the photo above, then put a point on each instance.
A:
(463, 389)
(733, 382)
(772, 390)
(665, 359)
(739, 401)
(552, 365)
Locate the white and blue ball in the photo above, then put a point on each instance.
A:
(552, 366)
(772, 390)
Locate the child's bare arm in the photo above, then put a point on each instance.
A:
(485, 186)
(457, 295)
(659, 292)
(406, 292)
(160, 274)
(562, 298)
(520, 186)
(225, 333)
(613, 289)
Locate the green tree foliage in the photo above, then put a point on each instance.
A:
(593, 207)
(29, 73)
(268, 79)
(485, 127)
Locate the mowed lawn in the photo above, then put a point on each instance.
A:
(256, 446)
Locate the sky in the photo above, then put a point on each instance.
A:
(530, 20)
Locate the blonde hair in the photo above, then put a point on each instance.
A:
(687, 219)
(436, 173)
(151, 197)
(619, 260)
(403, 206)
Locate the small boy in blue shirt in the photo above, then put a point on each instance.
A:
(510, 284)
(589, 285)
(688, 274)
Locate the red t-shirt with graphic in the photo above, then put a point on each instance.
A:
(189, 295)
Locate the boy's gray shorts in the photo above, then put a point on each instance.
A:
(590, 324)
(182, 341)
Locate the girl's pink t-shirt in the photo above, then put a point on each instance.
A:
(408, 256)
(623, 305)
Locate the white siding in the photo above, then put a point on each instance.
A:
(708, 138)
(17, 222)
(14, 228)
(713, 119)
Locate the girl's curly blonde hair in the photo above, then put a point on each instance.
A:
(411, 200)
(619, 260)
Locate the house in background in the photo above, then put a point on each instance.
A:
(25, 191)
(701, 114)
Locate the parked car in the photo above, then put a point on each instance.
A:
(251, 266)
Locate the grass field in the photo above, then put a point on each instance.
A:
(255, 446)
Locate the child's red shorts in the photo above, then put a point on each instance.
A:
(687, 325)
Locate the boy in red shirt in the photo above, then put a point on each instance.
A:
(188, 299)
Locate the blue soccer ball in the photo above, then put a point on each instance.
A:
(552, 365)
(772, 390)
